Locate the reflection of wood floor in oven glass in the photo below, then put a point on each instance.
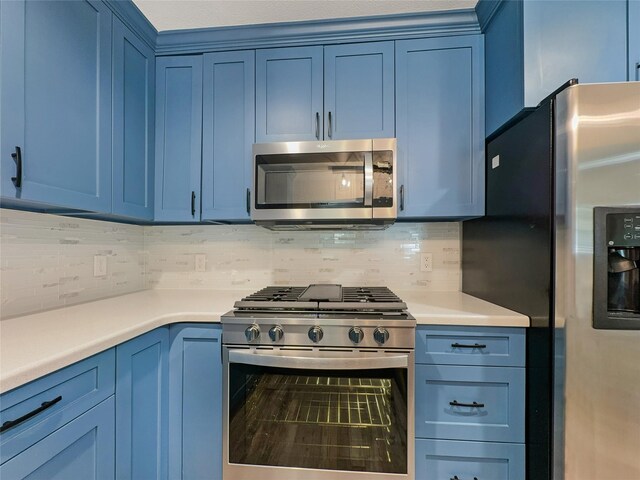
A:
(321, 422)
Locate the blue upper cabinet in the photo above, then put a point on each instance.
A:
(633, 23)
(359, 91)
(533, 47)
(56, 102)
(440, 127)
(178, 138)
(289, 94)
(134, 73)
(228, 123)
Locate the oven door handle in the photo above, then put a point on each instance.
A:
(319, 363)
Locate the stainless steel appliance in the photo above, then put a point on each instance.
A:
(333, 184)
(560, 244)
(318, 385)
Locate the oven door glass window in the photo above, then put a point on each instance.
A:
(334, 420)
(310, 180)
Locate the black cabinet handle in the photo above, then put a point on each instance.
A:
(12, 423)
(318, 125)
(638, 71)
(329, 129)
(462, 345)
(455, 403)
(193, 204)
(17, 157)
(248, 201)
(401, 197)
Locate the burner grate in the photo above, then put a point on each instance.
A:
(369, 295)
(275, 294)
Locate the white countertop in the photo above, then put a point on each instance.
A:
(34, 345)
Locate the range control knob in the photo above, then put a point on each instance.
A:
(356, 335)
(276, 333)
(252, 333)
(315, 334)
(381, 335)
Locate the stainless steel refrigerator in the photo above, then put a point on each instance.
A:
(560, 242)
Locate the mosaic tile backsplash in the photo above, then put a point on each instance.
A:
(249, 257)
(46, 261)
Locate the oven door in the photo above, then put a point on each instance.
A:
(317, 414)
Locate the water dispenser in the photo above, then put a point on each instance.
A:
(616, 268)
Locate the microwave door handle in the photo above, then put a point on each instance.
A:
(350, 362)
(368, 179)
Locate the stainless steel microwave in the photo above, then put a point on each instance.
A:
(337, 184)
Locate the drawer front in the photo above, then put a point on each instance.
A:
(81, 386)
(445, 397)
(443, 459)
(495, 346)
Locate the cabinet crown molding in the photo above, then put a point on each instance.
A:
(319, 32)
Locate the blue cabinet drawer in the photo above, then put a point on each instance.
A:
(442, 459)
(445, 408)
(82, 449)
(81, 386)
(471, 346)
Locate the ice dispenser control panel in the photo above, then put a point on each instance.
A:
(623, 229)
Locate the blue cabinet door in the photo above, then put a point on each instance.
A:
(228, 126)
(444, 460)
(359, 91)
(56, 102)
(440, 126)
(134, 73)
(178, 138)
(633, 23)
(289, 94)
(565, 39)
(533, 47)
(142, 374)
(195, 404)
(470, 403)
(81, 449)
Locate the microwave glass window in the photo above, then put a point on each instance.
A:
(316, 180)
(332, 420)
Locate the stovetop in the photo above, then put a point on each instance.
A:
(320, 315)
(322, 297)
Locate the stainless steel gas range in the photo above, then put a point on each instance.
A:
(318, 385)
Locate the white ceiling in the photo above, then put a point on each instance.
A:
(180, 14)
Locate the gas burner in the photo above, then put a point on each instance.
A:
(322, 297)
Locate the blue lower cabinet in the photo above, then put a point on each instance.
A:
(470, 403)
(195, 403)
(142, 372)
(67, 393)
(444, 459)
(82, 449)
(453, 345)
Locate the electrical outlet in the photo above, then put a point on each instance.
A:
(201, 263)
(426, 262)
(99, 265)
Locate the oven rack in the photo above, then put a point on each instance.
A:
(318, 401)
